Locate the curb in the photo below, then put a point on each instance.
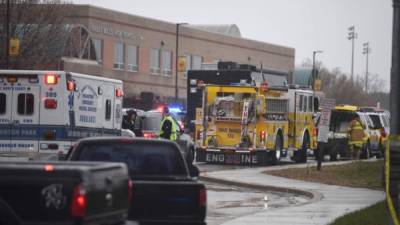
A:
(312, 195)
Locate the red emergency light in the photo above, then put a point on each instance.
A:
(71, 85)
(119, 93)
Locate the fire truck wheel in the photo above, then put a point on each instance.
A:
(276, 154)
(301, 154)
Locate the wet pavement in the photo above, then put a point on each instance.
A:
(226, 202)
(329, 201)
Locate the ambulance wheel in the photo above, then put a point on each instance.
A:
(277, 153)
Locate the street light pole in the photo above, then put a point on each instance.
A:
(366, 51)
(176, 60)
(352, 36)
(7, 34)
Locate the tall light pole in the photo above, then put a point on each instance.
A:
(313, 73)
(7, 34)
(176, 60)
(392, 171)
(352, 35)
(366, 51)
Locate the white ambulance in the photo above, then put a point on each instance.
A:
(42, 113)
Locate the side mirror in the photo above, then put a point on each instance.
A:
(194, 171)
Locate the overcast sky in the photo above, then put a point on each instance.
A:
(305, 25)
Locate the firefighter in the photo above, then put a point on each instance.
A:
(168, 126)
(355, 137)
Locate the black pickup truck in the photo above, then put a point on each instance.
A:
(164, 191)
(61, 193)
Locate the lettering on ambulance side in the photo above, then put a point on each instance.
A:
(16, 145)
(88, 100)
(13, 88)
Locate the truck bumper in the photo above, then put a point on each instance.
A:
(232, 156)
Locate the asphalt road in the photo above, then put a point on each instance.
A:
(229, 202)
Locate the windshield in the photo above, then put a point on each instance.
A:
(376, 121)
(141, 158)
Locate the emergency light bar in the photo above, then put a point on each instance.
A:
(12, 79)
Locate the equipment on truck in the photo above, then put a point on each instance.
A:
(247, 124)
(42, 113)
(226, 73)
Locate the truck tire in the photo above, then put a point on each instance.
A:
(365, 152)
(277, 153)
(300, 156)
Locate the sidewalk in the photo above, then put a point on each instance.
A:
(329, 201)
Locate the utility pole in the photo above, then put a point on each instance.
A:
(392, 170)
(366, 51)
(7, 34)
(352, 35)
(176, 60)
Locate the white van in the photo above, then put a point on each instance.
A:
(42, 113)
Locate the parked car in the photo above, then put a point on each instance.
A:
(165, 188)
(63, 193)
(380, 121)
(338, 132)
(151, 127)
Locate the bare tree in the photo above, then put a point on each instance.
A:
(39, 26)
(337, 84)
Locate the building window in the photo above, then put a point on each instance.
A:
(155, 61)
(167, 62)
(98, 48)
(197, 61)
(132, 58)
(2, 103)
(118, 56)
(25, 104)
(188, 65)
(108, 109)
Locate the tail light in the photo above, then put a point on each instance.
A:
(130, 191)
(50, 103)
(149, 135)
(49, 168)
(315, 132)
(202, 197)
(79, 202)
(263, 134)
(383, 132)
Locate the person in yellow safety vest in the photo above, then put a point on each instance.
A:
(355, 135)
(168, 127)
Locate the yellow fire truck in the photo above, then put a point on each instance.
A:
(251, 125)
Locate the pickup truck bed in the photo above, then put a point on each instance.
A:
(63, 193)
(163, 191)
